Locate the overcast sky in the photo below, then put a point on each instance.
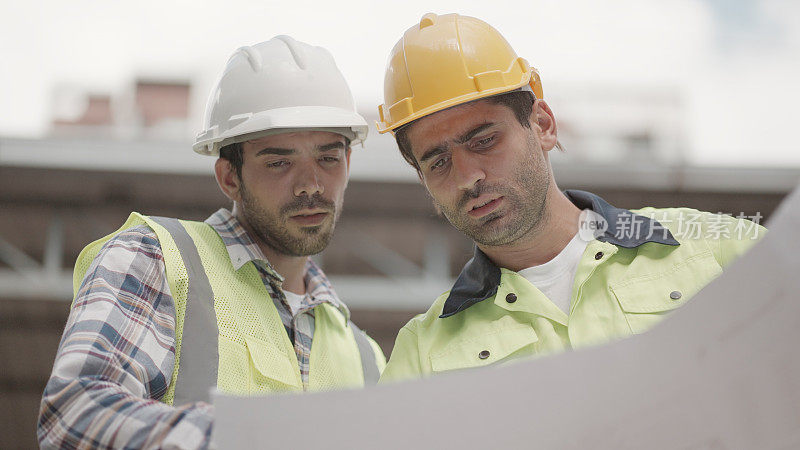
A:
(734, 62)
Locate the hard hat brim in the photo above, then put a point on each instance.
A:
(384, 127)
(252, 126)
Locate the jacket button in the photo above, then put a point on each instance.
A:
(511, 298)
(675, 295)
(598, 255)
(483, 354)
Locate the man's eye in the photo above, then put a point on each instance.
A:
(484, 142)
(330, 159)
(439, 163)
(278, 163)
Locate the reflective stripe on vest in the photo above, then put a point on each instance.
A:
(199, 357)
(368, 363)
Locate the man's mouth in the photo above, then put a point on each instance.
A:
(309, 218)
(484, 206)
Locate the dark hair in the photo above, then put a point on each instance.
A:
(233, 153)
(519, 102)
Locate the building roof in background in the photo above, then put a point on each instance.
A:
(380, 161)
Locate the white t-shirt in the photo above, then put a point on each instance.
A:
(293, 300)
(555, 277)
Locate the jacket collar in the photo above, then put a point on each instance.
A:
(241, 247)
(625, 228)
(480, 277)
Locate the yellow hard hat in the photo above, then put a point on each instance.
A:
(445, 61)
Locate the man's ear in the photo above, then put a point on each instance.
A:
(227, 179)
(542, 118)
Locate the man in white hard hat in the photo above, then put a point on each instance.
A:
(167, 309)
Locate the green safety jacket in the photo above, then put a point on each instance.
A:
(228, 332)
(647, 263)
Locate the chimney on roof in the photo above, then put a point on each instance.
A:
(157, 101)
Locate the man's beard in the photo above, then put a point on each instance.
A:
(273, 229)
(525, 198)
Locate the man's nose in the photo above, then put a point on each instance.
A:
(467, 169)
(308, 183)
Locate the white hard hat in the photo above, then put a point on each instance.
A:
(278, 86)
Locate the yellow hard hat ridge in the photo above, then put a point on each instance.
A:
(445, 61)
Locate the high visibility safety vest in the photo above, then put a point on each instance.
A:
(228, 331)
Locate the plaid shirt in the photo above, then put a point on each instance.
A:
(117, 353)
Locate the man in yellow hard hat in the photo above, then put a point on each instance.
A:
(167, 309)
(552, 270)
